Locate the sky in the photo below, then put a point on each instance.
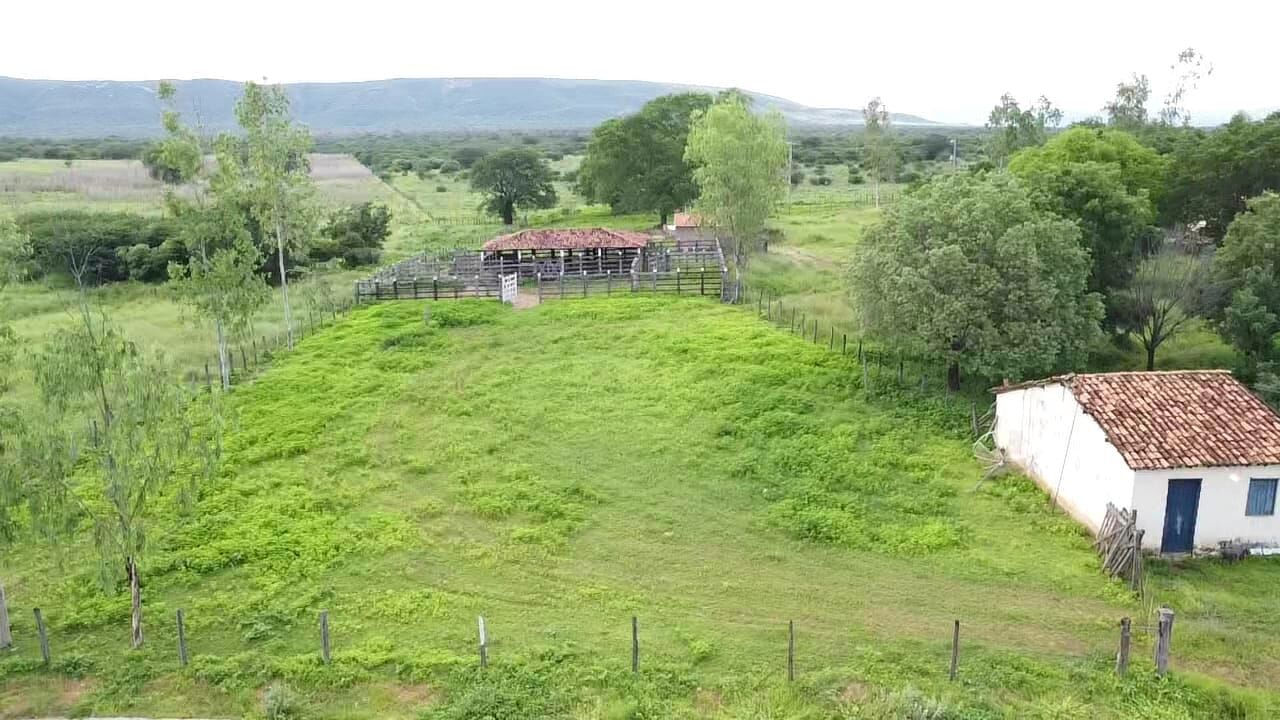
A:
(946, 61)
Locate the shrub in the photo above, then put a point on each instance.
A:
(106, 242)
(279, 703)
(450, 166)
(355, 234)
(855, 177)
(797, 178)
(820, 180)
(442, 188)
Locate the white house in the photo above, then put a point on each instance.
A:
(1193, 452)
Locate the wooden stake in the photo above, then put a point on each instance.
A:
(1135, 567)
(324, 636)
(791, 651)
(6, 635)
(44, 635)
(955, 651)
(1164, 640)
(1122, 658)
(484, 644)
(635, 644)
(182, 641)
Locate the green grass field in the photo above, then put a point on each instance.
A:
(560, 469)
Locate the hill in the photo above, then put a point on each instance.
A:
(562, 469)
(50, 108)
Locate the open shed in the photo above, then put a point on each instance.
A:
(564, 250)
(1195, 453)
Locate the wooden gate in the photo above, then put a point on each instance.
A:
(510, 287)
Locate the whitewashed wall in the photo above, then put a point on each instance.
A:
(1224, 493)
(1034, 425)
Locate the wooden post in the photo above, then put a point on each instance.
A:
(791, 651)
(608, 282)
(562, 278)
(435, 288)
(1122, 658)
(832, 345)
(866, 376)
(815, 331)
(861, 357)
(324, 636)
(803, 324)
(677, 281)
(901, 370)
(244, 360)
(1164, 640)
(844, 343)
(791, 328)
(44, 635)
(973, 417)
(539, 287)
(584, 283)
(208, 382)
(484, 644)
(955, 651)
(255, 343)
(6, 635)
(635, 644)
(1135, 565)
(182, 641)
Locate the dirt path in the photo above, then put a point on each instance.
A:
(525, 300)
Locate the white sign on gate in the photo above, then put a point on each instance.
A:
(510, 286)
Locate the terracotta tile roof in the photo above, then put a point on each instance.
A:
(686, 220)
(567, 239)
(1179, 419)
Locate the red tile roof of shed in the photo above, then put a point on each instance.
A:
(567, 239)
(1179, 419)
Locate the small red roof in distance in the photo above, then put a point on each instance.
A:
(687, 220)
(1179, 419)
(567, 239)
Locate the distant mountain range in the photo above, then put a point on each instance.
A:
(55, 108)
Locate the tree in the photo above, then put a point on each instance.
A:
(880, 158)
(513, 178)
(219, 279)
(967, 271)
(1168, 291)
(1116, 222)
(637, 163)
(1141, 169)
(1128, 109)
(1212, 175)
(1013, 128)
(740, 166)
(1191, 67)
(273, 176)
(355, 233)
(1247, 267)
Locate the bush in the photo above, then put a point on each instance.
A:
(855, 177)
(280, 703)
(797, 178)
(355, 234)
(820, 180)
(450, 166)
(441, 188)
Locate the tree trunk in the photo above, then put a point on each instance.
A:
(508, 213)
(953, 376)
(135, 598)
(662, 222)
(284, 283)
(224, 370)
(1151, 357)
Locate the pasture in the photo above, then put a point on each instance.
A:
(561, 469)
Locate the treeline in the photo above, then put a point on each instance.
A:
(117, 246)
(109, 148)
(422, 153)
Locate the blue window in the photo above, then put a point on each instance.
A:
(1262, 497)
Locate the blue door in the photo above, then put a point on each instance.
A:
(1180, 516)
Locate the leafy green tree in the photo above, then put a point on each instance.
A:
(355, 233)
(220, 278)
(1117, 225)
(968, 271)
(880, 157)
(272, 176)
(1212, 175)
(637, 163)
(740, 166)
(1013, 128)
(1247, 268)
(1168, 291)
(511, 179)
(1128, 109)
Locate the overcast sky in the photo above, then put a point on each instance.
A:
(945, 61)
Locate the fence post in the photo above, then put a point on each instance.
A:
(435, 288)
(324, 636)
(655, 280)
(1135, 568)
(43, 632)
(244, 360)
(584, 283)
(1122, 658)
(255, 345)
(208, 382)
(832, 345)
(608, 283)
(1164, 640)
(791, 650)
(791, 326)
(804, 322)
(955, 651)
(635, 644)
(844, 343)
(182, 641)
(6, 636)
(484, 644)
(677, 280)
(901, 370)
(562, 281)
(973, 417)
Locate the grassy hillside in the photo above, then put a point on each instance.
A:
(560, 469)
